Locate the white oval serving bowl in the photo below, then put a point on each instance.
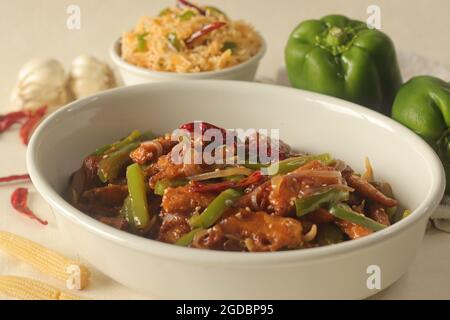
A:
(132, 74)
(308, 121)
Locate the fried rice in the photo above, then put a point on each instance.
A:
(160, 43)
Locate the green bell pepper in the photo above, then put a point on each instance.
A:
(109, 167)
(423, 105)
(344, 212)
(109, 148)
(341, 57)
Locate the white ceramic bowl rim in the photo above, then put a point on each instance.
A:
(210, 257)
(117, 59)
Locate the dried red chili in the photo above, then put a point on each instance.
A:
(9, 119)
(189, 4)
(202, 126)
(204, 31)
(15, 178)
(27, 128)
(221, 186)
(19, 202)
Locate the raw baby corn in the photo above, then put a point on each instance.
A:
(28, 289)
(74, 274)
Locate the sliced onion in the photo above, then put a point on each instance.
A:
(235, 171)
(198, 237)
(254, 199)
(340, 165)
(368, 174)
(311, 235)
(276, 184)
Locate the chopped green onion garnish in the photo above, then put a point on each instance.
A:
(187, 15)
(229, 45)
(142, 43)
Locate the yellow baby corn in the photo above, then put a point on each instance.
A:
(28, 289)
(75, 275)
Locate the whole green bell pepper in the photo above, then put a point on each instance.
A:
(344, 58)
(423, 105)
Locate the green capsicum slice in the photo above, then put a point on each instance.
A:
(137, 210)
(133, 136)
(109, 167)
(313, 202)
(344, 212)
(215, 209)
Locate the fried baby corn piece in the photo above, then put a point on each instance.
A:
(28, 289)
(74, 274)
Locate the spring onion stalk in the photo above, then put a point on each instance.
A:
(139, 215)
(187, 239)
(215, 209)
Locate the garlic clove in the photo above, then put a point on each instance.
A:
(40, 82)
(90, 75)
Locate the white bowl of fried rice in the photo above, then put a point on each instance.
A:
(185, 42)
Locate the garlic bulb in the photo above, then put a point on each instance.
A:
(40, 82)
(90, 75)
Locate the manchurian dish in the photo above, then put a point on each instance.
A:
(189, 38)
(299, 201)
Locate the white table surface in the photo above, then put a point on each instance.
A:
(37, 29)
